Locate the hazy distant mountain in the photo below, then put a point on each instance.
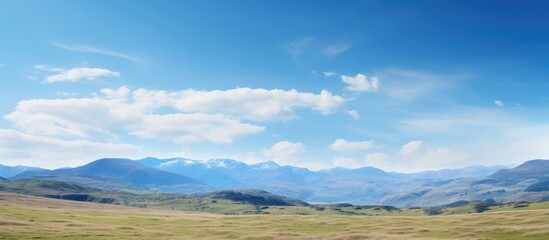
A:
(9, 171)
(232, 174)
(117, 173)
(527, 182)
(536, 169)
(335, 185)
(216, 173)
(367, 185)
(467, 172)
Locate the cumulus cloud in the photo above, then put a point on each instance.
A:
(410, 148)
(195, 127)
(189, 115)
(286, 153)
(499, 103)
(244, 103)
(354, 114)
(75, 74)
(18, 148)
(344, 145)
(117, 110)
(360, 83)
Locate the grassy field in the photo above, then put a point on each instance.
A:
(221, 206)
(27, 217)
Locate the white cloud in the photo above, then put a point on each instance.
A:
(360, 83)
(411, 148)
(286, 153)
(76, 74)
(17, 148)
(335, 49)
(499, 103)
(90, 49)
(298, 47)
(354, 114)
(121, 111)
(344, 145)
(244, 103)
(328, 74)
(195, 127)
(188, 115)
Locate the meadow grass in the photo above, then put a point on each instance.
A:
(26, 217)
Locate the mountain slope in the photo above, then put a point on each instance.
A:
(115, 173)
(533, 169)
(367, 185)
(9, 171)
(527, 182)
(231, 174)
(477, 171)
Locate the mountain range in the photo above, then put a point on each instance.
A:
(113, 173)
(367, 185)
(8, 171)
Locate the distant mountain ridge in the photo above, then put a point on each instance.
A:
(367, 185)
(531, 169)
(9, 171)
(526, 182)
(115, 173)
(363, 185)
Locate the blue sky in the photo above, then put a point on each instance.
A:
(400, 85)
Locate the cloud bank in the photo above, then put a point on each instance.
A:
(187, 116)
